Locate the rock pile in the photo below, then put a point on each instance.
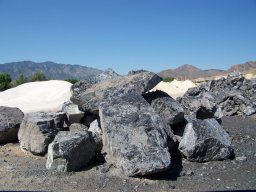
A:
(135, 129)
(234, 95)
(38, 130)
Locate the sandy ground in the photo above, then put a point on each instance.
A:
(175, 88)
(20, 171)
(37, 96)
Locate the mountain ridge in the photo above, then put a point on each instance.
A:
(191, 72)
(50, 69)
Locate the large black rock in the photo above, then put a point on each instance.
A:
(10, 120)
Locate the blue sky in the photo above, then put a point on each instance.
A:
(129, 34)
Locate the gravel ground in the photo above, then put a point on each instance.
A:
(23, 171)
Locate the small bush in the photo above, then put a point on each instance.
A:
(73, 81)
(38, 76)
(5, 81)
(20, 80)
(168, 79)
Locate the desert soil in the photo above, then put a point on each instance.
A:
(23, 171)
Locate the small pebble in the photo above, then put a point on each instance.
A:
(189, 173)
(241, 158)
(136, 188)
(218, 179)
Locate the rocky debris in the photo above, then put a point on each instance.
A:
(234, 95)
(136, 72)
(96, 133)
(205, 140)
(88, 100)
(74, 115)
(10, 120)
(134, 139)
(37, 130)
(200, 105)
(70, 151)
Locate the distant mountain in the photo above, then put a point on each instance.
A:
(191, 72)
(50, 69)
(188, 72)
(246, 67)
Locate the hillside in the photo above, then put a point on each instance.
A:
(245, 67)
(191, 72)
(50, 69)
(188, 72)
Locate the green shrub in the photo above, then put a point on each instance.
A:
(20, 80)
(5, 81)
(73, 81)
(38, 76)
(168, 79)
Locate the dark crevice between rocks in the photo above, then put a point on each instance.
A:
(173, 171)
(88, 119)
(150, 96)
(178, 129)
(204, 113)
(96, 161)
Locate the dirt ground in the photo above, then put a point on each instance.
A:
(23, 171)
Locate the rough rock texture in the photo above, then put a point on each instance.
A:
(205, 140)
(37, 130)
(134, 139)
(200, 105)
(89, 99)
(96, 133)
(10, 120)
(234, 95)
(77, 127)
(168, 108)
(107, 74)
(82, 86)
(74, 115)
(70, 151)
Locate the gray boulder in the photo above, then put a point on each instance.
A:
(134, 139)
(74, 115)
(107, 74)
(235, 78)
(205, 140)
(77, 127)
(89, 100)
(96, 133)
(37, 130)
(168, 108)
(10, 120)
(82, 86)
(200, 105)
(70, 151)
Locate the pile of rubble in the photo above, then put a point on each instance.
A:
(235, 95)
(134, 129)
